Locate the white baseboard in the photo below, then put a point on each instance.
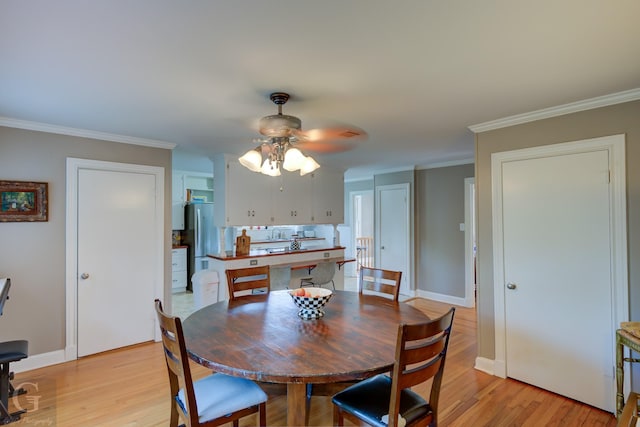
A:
(485, 365)
(442, 298)
(39, 361)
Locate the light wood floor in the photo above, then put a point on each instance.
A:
(129, 387)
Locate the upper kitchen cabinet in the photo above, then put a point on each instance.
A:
(244, 197)
(186, 185)
(292, 199)
(328, 196)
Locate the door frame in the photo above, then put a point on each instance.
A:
(353, 219)
(378, 227)
(470, 228)
(615, 145)
(74, 165)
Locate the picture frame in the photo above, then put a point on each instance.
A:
(23, 201)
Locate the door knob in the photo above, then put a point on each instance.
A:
(84, 276)
(511, 285)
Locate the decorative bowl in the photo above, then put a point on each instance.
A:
(311, 302)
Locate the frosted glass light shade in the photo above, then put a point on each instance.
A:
(309, 165)
(293, 159)
(268, 170)
(252, 160)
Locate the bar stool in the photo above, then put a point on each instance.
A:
(10, 351)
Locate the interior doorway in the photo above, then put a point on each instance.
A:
(362, 231)
(393, 232)
(114, 247)
(470, 242)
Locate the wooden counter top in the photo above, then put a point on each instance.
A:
(300, 239)
(257, 253)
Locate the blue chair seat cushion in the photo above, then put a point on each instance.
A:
(12, 351)
(369, 401)
(218, 395)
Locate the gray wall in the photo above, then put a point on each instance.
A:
(616, 119)
(33, 254)
(438, 210)
(440, 243)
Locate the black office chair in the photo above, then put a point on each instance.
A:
(10, 351)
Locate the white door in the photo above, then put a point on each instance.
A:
(392, 218)
(116, 251)
(558, 293)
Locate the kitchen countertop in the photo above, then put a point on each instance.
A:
(254, 253)
(300, 239)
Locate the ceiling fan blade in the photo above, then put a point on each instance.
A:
(326, 147)
(330, 134)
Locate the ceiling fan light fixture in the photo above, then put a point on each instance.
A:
(252, 160)
(308, 166)
(269, 168)
(293, 159)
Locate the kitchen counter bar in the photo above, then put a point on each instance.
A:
(282, 264)
(256, 253)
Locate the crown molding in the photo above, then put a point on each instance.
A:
(84, 133)
(460, 162)
(560, 110)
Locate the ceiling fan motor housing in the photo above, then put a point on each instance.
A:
(279, 125)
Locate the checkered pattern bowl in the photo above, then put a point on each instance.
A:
(311, 306)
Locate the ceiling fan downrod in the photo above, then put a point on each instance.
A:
(279, 98)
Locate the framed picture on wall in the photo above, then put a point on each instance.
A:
(23, 201)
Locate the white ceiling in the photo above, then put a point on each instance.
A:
(414, 74)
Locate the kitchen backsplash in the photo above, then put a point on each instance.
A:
(260, 233)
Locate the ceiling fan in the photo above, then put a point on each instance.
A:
(284, 137)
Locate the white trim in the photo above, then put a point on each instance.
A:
(469, 227)
(447, 299)
(74, 166)
(615, 145)
(42, 360)
(485, 365)
(560, 110)
(447, 164)
(84, 133)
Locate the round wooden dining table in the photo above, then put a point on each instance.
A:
(261, 337)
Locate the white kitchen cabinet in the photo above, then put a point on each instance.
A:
(243, 196)
(177, 201)
(291, 199)
(178, 269)
(249, 198)
(199, 183)
(328, 196)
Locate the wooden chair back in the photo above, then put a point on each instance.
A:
(180, 378)
(248, 279)
(380, 281)
(421, 351)
(175, 353)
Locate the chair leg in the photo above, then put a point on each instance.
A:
(262, 410)
(6, 390)
(338, 420)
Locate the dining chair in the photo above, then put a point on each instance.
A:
(10, 351)
(380, 281)
(379, 401)
(248, 279)
(323, 274)
(211, 401)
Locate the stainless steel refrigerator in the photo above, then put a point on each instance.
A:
(201, 236)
